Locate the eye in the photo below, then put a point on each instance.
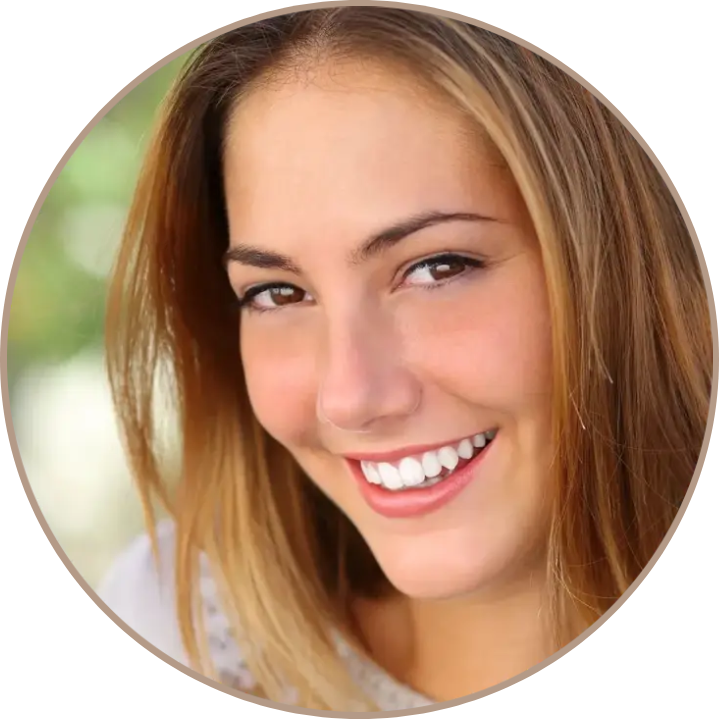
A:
(432, 272)
(436, 270)
(267, 297)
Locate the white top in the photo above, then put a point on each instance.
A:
(142, 595)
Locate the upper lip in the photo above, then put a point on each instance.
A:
(415, 449)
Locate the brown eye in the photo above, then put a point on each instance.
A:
(436, 270)
(272, 297)
(445, 269)
(285, 295)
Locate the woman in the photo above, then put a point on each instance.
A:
(440, 347)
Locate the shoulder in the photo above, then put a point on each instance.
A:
(141, 591)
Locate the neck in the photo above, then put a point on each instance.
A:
(468, 645)
(446, 649)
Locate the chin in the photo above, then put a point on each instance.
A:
(437, 575)
(434, 588)
(442, 564)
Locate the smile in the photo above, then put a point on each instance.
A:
(428, 468)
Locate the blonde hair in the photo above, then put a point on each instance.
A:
(631, 341)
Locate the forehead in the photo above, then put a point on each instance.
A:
(347, 150)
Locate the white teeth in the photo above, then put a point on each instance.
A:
(371, 473)
(465, 449)
(426, 470)
(389, 475)
(411, 472)
(448, 457)
(430, 464)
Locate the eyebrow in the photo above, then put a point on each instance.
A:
(374, 245)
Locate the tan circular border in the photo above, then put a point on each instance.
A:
(18, 459)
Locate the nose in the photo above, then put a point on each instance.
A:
(365, 382)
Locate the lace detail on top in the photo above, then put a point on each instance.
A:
(227, 657)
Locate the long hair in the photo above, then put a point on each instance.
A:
(631, 339)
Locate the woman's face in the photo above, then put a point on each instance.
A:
(394, 329)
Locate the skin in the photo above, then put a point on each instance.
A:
(377, 355)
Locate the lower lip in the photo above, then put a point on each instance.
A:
(406, 503)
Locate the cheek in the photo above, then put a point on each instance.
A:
(280, 377)
(491, 343)
(515, 352)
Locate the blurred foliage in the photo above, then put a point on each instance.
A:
(58, 302)
(61, 408)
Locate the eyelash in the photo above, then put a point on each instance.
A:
(245, 302)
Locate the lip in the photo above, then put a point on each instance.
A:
(398, 454)
(408, 503)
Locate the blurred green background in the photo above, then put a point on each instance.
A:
(59, 397)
